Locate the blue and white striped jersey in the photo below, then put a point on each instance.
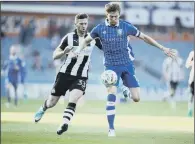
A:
(13, 68)
(115, 45)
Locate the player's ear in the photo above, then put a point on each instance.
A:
(106, 14)
(75, 24)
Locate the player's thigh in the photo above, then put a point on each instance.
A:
(61, 85)
(15, 85)
(12, 84)
(117, 71)
(75, 95)
(78, 84)
(129, 78)
(8, 83)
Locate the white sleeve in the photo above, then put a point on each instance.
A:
(165, 65)
(189, 59)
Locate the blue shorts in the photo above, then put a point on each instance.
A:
(126, 73)
(12, 81)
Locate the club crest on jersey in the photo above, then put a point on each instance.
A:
(119, 32)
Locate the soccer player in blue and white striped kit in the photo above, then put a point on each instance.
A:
(113, 34)
(13, 69)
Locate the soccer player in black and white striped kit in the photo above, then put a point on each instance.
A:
(73, 74)
(190, 65)
(173, 72)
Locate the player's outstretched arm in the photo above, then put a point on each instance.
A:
(169, 52)
(189, 59)
(84, 43)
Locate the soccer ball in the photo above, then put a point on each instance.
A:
(109, 77)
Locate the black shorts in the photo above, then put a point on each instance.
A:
(66, 82)
(174, 85)
(192, 87)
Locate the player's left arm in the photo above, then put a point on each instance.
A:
(169, 52)
(132, 30)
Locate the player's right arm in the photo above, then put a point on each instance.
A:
(62, 49)
(189, 61)
(93, 35)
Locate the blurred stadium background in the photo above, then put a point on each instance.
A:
(37, 27)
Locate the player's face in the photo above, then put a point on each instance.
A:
(82, 25)
(113, 17)
(13, 50)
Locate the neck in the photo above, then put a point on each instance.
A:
(80, 33)
(112, 24)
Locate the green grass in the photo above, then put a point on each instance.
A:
(41, 133)
(19, 133)
(141, 108)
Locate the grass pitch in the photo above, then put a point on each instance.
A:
(136, 123)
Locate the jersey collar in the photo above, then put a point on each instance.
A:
(77, 34)
(13, 57)
(107, 24)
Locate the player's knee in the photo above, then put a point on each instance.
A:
(74, 98)
(136, 97)
(135, 94)
(112, 90)
(75, 95)
(51, 103)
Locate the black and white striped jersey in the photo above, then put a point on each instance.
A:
(77, 66)
(173, 69)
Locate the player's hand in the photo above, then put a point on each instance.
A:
(76, 51)
(170, 52)
(73, 55)
(68, 49)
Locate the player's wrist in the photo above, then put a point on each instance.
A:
(162, 48)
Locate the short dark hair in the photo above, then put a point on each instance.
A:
(81, 16)
(112, 7)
